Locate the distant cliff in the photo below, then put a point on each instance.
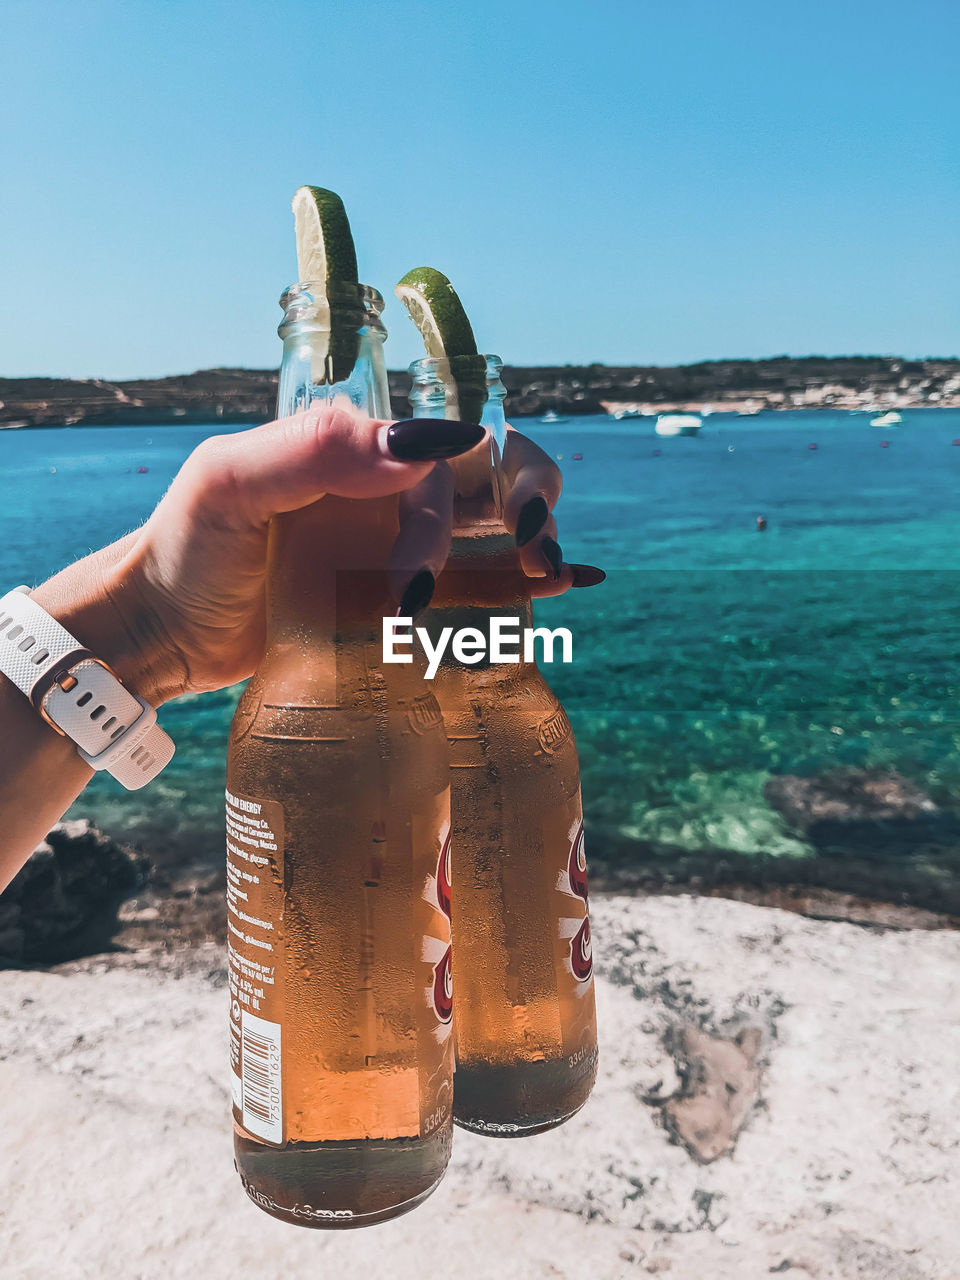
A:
(249, 395)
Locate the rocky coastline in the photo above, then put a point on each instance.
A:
(882, 855)
(771, 1095)
(775, 1096)
(734, 386)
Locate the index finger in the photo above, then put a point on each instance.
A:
(529, 473)
(328, 448)
(532, 489)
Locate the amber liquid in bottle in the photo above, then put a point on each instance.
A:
(524, 1011)
(338, 863)
(524, 1006)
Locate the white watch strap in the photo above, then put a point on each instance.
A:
(79, 695)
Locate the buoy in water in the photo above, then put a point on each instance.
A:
(53, 471)
(761, 524)
(578, 457)
(729, 448)
(141, 471)
(884, 444)
(656, 453)
(956, 442)
(811, 446)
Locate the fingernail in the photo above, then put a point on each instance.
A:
(553, 556)
(587, 575)
(533, 516)
(426, 439)
(417, 594)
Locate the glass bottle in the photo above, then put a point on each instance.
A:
(524, 1013)
(338, 840)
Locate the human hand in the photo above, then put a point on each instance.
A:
(533, 485)
(178, 605)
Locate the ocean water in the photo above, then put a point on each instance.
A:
(713, 657)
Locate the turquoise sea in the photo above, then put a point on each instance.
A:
(713, 657)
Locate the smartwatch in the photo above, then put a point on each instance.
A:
(78, 694)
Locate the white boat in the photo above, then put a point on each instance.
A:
(678, 424)
(889, 419)
(550, 416)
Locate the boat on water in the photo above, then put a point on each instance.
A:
(889, 419)
(678, 424)
(551, 416)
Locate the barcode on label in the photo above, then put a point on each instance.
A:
(261, 1078)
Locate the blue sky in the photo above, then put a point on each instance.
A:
(610, 180)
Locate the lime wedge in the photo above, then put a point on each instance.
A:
(327, 260)
(438, 313)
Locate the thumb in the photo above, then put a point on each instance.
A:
(329, 448)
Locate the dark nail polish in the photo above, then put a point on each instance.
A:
(587, 575)
(426, 439)
(533, 516)
(553, 556)
(417, 594)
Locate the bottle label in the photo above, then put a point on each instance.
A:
(574, 954)
(581, 952)
(437, 893)
(408, 1098)
(436, 1096)
(255, 833)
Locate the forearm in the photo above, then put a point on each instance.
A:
(40, 777)
(41, 773)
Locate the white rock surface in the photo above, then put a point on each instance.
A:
(116, 1162)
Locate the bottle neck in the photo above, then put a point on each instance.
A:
(327, 588)
(305, 352)
(481, 585)
(435, 393)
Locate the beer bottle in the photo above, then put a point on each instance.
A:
(338, 846)
(524, 1016)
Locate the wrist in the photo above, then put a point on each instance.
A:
(101, 605)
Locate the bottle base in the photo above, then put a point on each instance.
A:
(338, 1186)
(522, 1098)
(512, 1129)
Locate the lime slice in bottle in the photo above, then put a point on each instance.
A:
(438, 313)
(327, 261)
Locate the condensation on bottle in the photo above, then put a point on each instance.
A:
(338, 857)
(524, 1007)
